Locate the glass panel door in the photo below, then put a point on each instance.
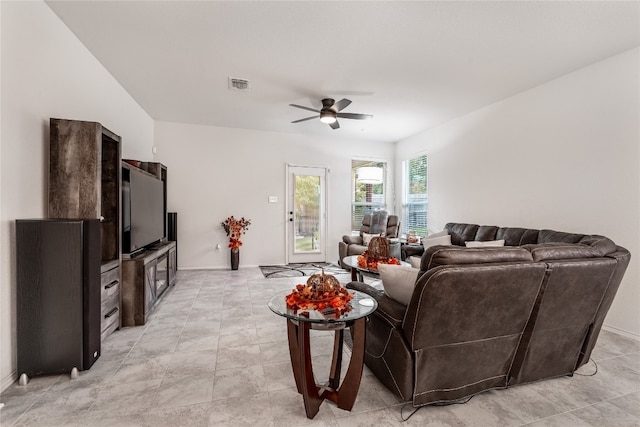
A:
(306, 211)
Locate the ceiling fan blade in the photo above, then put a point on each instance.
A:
(342, 104)
(304, 120)
(304, 108)
(334, 125)
(354, 116)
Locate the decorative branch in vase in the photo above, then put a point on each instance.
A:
(234, 229)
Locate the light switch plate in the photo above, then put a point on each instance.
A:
(273, 199)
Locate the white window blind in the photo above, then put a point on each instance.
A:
(415, 200)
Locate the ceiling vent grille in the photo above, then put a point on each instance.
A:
(238, 84)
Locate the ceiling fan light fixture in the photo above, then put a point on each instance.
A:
(327, 117)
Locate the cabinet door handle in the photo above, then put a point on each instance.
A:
(111, 285)
(113, 311)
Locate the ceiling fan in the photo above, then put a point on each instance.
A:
(331, 111)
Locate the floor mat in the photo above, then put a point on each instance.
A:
(300, 269)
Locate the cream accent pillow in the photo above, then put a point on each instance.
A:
(366, 238)
(415, 261)
(438, 234)
(488, 243)
(432, 241)
(398, 281)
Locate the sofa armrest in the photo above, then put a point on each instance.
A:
(352, 240)
(389, 310)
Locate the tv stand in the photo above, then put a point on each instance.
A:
(146, 277)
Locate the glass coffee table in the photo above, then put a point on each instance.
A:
(298, 326)
(357, 272)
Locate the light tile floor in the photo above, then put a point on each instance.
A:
(214, 354)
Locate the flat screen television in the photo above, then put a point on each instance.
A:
(143, 213)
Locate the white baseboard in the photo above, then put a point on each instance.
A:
(8, 380)
(621, 332)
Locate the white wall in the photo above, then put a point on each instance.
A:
(215, 172)
(46, 72)
(564, 155)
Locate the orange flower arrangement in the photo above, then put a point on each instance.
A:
(322, 293)
(372, 264)
(234, 229)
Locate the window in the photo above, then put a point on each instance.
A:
(368, 178)
(415, 200)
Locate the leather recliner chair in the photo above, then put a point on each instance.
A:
(354, 245)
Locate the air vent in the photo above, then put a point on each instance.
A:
(238, 84)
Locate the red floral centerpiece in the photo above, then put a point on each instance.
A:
(377, 253)
(234, 229)
(371, 263)
(322, 292)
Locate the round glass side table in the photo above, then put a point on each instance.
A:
(298, 325)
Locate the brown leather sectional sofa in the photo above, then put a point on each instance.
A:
(492, 317)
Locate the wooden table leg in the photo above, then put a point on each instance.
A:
(336, 361)
(294, 352)
(354, 274)
(349, 390)
(310, 395)
(300, 353)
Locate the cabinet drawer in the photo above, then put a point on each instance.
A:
(110, 281)
(110, 302)
(110, 312)
(110, 323)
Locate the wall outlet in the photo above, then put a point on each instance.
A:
(273, 199)
(218, 247)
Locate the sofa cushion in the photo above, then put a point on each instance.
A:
(484, 244)
(437, 234)
(486, 232)
(352, 240)
(514, 236)
(439, 255)
(415, 261)
(379, 222)
(398, 281)
(603, 245)
(366, 238)
(460, 233)
(556, 251)
(433, 241)
(551, 236)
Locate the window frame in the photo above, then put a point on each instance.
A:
(408, 224)
(360, 208)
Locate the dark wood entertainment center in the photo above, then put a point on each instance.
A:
(74, 284)
(147, 273)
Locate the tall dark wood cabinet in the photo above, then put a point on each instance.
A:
(85, 183)
(58, 295)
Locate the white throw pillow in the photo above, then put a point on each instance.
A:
(415, 261)
(438, 234)
(476, 244)
(366, 238)
(442, 240)
(398, 281)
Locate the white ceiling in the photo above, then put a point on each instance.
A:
(413, 65)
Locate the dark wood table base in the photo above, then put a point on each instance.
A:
(344, 396)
